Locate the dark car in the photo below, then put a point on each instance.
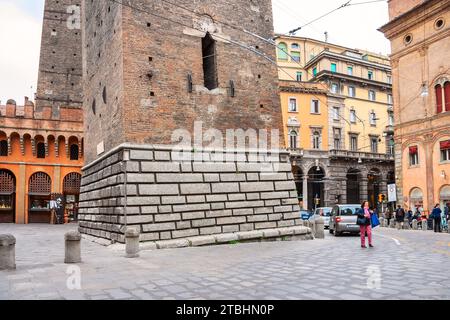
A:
(343, 219)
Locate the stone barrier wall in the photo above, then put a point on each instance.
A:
(172, 196)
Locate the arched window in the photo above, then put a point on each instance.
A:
(3, 148)
(41, 150)
(438, 90)
(209, 62)
(72, 183)
(40, 183)
(447, 95)
(293, 139)
(74, 152)
(282, 51)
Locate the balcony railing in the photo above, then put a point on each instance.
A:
(361, 155)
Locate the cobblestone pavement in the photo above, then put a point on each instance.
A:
(403, 265)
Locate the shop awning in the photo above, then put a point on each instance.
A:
(445, 145)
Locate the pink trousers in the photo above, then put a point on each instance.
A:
(363, 230)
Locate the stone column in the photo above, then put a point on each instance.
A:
(132, 243)
(73, 247)
(319, 228)
(305, 192)
(57, 179)
(363, 193)
(21, 196)
(7, 252)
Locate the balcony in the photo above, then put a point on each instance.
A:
(296, 152)
(368, 156)
(389, 130)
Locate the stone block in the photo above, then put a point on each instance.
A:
(141, 155)
(212, 177)
(232, 177)
(203, 223)
(140, 178)
(202, 240)
(193, 215)
(185, 233)
(256, 186)
(158, 227)
(214, 167)
(160, 167)
(243, 212)
(246, 227)
(275, 195)
(158, 189)
(275, 177)
(250, 235)
(172, 244)
(226, 237)
(173, 200)
(285, 186)
(236, 197)
(230, 228)
(271, 233)
(219, 213)
(197, 188)
(265, 225)
(258, 218)
(162, 155)
(216, 198)
(7, 252)
(231, 220)
(225, 187)
(179, 178)
(191, 207)
(167, 217)
(244, 204)
(210, 230)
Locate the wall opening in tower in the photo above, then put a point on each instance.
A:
(209, 62)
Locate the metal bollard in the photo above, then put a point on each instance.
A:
(73, 247)
(7, 252)
(414, 225)
(132, 243)
(319, 228)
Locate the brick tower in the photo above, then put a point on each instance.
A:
(60, 67)
(152, 70)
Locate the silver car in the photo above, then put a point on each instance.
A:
(343, 219)
(325, 213)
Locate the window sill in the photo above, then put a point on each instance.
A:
(414, 166)
(315, 114)
(293, 111)
(446, 162)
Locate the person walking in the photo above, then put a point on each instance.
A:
(365, 224)
(389, 216)
(436, 215)
(400, 215)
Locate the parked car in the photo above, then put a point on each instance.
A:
(343, 219)
(305, 214)
(325, 213)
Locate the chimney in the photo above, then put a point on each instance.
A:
(326, 36)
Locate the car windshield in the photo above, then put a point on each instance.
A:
(348, 211)
(326, 212)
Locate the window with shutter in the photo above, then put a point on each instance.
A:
(438, 90)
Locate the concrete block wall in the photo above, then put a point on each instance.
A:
(170, 199)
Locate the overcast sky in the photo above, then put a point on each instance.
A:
(21, 23)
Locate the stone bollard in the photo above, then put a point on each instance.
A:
(7, 252)
(399, 225)
(73, 247)
(382, 222)
(132, 243)
(319, 228)
(424, 225)
(392, 225)
(414, 225)
(406, 225)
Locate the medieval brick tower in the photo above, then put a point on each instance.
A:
(60, 67)
(154, 72)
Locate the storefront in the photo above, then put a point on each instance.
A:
(7, 197)
(39, 193)
(71, 189)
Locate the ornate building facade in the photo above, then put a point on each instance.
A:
(40, 155)
(419, 31)
(338, 121)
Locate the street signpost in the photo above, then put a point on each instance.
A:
(392, 193)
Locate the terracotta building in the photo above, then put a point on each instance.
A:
(40, 155)
(419, 31)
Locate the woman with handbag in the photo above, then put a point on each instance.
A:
(364, 221)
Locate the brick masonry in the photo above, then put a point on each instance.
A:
(60, 66)
(169, 199)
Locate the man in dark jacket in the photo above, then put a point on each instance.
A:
(436, 215)
(400, 214)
